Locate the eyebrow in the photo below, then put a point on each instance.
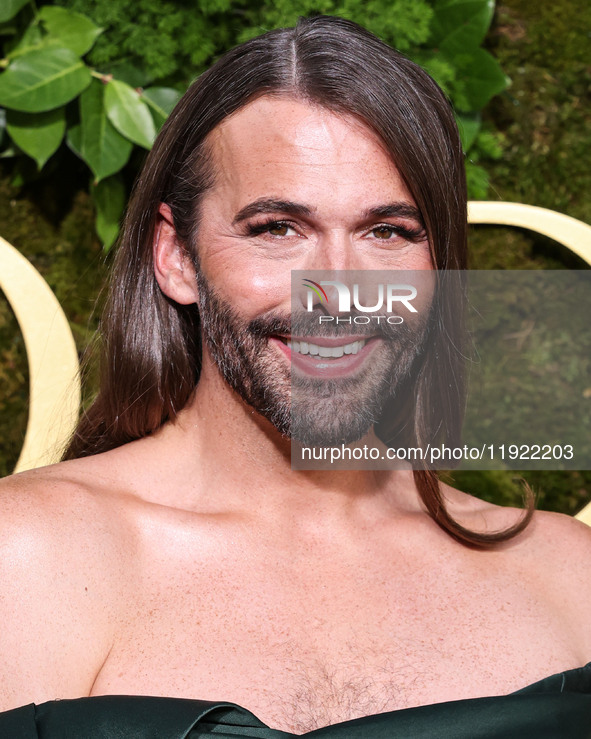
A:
(395, 210)
(273, 205)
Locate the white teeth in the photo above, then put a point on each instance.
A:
(334, 352)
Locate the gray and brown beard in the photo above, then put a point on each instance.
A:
(313, 411)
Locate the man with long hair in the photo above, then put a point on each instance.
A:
(174, 554)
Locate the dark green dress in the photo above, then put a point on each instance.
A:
(558, 707)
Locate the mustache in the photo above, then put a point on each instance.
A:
(304, 323)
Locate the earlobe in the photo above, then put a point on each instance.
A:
(173, 266)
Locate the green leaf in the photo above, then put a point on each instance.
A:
(74, 140)
(479, 78)
(97, 142)
(126, 71)
(109, 197)
(477, 181)
(161, 101)
(8, 28)
(32, 38)
(9, 8)
(37, 134)
(468, 126)
(461, 25)
(74, 30)
(439, 67)
(42, 80)
(129, 114)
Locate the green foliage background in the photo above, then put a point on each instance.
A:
(541, 156)
(545, 121)
(106, 89)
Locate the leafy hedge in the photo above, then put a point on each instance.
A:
(102, 75)
(545, 120)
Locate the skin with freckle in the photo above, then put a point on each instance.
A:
(317, 161)
(195, 563)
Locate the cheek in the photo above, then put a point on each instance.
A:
(266, 291)
(251, 285)
(421, 258)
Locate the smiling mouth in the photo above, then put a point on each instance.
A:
(328, 352)
(325, 348)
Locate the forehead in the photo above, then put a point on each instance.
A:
(288, 147)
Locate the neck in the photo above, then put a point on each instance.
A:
(221, 445)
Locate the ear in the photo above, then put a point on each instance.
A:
(173, 267)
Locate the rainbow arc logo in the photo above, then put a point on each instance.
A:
(317, 288)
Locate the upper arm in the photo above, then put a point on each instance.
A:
(563, 560)
(54, 604)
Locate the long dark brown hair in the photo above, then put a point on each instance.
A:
(151, 352)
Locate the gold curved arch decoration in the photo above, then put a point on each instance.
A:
(574, 234)
(54, 381)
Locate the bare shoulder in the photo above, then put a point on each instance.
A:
(550, 540)
(558, 556)
(61, 573)
(561, 545)
(551, 557)
(561, 532)
(63, 503)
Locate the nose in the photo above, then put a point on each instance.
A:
(331, 258)
(333, 251)
(336, 280)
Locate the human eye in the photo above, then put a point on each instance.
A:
(391, 232)
(384, 232)
(277, 229)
